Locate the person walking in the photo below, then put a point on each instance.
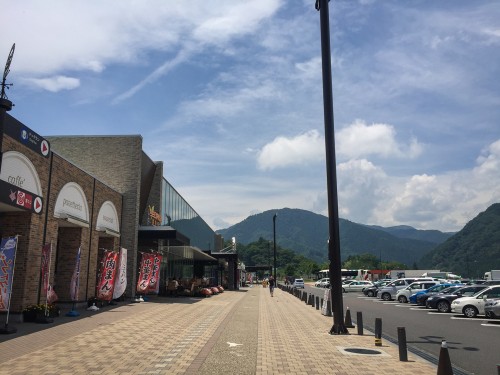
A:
(272, 283)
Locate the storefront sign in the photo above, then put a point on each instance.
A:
(18, 170)
(108, 218)
(71, 201)
(154, 217)
(20, 198)
(21, 133)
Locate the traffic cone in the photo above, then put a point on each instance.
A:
(444, 364)
(348, 321)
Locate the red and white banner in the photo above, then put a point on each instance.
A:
(107, 276)
(75, 279)
(145, 272)
(154, 283)
(121, 282)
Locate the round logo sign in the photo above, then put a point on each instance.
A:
(44, 148)
(38, 205)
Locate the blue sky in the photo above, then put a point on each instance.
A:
(229, 95)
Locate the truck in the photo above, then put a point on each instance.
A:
(492, 275)
(398, 274)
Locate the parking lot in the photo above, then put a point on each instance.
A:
(473, 342)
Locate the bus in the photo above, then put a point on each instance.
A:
(346, 274)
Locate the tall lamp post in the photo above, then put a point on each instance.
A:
(274, 244)
(338, 327)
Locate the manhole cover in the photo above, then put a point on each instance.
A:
(362, 351)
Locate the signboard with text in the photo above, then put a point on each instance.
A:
(20, 198)
(24, 135)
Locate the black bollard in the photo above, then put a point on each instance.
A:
(378, 331)
(317, 303)
(444, 362)
(359, 322)
(403, 353)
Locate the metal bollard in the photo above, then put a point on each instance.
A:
(378, 331)
(359, 322)
(403, 353)
(317, 303)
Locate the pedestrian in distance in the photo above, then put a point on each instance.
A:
(271, 285)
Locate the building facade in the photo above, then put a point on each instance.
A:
(96, 193)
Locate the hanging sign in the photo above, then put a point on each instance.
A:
(20, 198)
(24, 135)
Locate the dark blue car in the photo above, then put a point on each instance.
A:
(420, 298)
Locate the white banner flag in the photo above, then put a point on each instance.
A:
(121, 282)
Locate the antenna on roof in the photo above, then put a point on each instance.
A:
(3, 96)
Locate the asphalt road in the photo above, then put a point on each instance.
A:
(473, 344)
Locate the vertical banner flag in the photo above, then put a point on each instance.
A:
(45, 270)
(145, 272)
(75, 279)
(154, 284)
(121, 282)
(108, 276)
(8, 248)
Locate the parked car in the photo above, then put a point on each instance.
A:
(356, 286)
(388, 292)
(492, 308)
(419, 298)
(321, 282)
(403, 295)
(348, 281)
(474, 305)
(298, 283)
(371, 291)
(442, 301)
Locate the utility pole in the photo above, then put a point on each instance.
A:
(338, 327)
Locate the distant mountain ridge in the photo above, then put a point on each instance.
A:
(307, 233)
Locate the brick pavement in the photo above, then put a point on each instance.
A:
(245, 332)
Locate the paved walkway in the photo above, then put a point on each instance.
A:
(240, 332)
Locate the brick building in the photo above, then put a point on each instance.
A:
(95, 193)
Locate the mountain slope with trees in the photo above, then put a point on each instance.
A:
(306, 233)
(473, 250)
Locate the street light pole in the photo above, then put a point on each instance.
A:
(274, 243)
(270, 270)
(338, 327)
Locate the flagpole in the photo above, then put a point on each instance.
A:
(6, 329)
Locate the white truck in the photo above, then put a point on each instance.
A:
(398, 274)
(492, 275)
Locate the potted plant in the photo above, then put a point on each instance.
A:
(32, 312)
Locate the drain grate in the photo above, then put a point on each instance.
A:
(362, 351)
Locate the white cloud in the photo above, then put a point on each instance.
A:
(285, 152)
(53, 84)
(360, 140)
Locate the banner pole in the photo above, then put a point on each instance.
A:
(6, 329)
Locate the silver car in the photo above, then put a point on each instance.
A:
(492, 308)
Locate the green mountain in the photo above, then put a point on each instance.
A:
(473, 250)
(306, 233)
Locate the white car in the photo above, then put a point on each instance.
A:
(298, 283)
(474, 305)
(321, 282)
(403, 295)
(356, 286)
